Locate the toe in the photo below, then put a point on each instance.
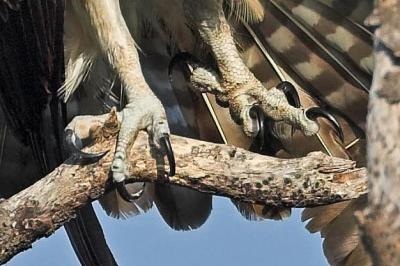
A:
(81, 128)
(73, 145)
(161, 138)
(146, 114)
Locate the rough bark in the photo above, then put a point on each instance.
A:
(380, 222)
(314, 180)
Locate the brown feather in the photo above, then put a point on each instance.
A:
(321, 216)
(358, 257)
(116, 207)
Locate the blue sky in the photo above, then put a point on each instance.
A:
(225, 239)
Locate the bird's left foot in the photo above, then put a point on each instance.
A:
(249, 102)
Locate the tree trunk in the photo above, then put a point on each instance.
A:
(380, 222)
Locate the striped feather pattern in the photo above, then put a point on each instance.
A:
(355, 10)
(335, 32)
(312, 68)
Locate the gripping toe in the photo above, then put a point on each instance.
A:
(166, 143)
(74, 145)
(315, 112)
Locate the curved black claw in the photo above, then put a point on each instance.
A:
(181, 58)
(166, 143)
(74, 146)
(257, 113)
(290, 92)
(315, 112)
(125, 194)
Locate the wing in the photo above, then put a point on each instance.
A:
(32, 118)
(31, 70)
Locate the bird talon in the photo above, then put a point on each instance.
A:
(315, 112)
(290, 92)
(74, 146)
(257, 113)
(125, 194)
(166, 143)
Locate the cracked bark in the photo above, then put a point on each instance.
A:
(313, 180)
(380, 222)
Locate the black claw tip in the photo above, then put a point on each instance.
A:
(181, 58)
(257, 113)
(290, 92)
(125, 194)
(74, 146)
(166, 143)
(315, 112)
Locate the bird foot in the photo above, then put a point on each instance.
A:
(145, 113)
(250, 103)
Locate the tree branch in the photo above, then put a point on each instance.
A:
(313, 180)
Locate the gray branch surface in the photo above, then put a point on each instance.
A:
(380, 222)
(39, 210)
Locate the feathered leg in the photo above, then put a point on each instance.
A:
(103, 22)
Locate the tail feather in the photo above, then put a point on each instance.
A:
(338, 227)
(257, 212)
(117, 207)
(341, 235)
(87, 239)
(341, 38)
(317, 45)
(321, 216)
(358, 257)
(182, 208)
(356, 10)
(302, 61)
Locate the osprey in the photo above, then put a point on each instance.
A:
(265, 69)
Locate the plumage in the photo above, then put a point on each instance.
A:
(356, 11)
(342, 235)
(321, 216)
(33, 72)
(321, 46)
(250, 11)
(117, 207)
(31, 116)
(342, 38)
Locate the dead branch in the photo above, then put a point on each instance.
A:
(225, 170)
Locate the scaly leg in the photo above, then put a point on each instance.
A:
(103, 21)
(234, 84)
